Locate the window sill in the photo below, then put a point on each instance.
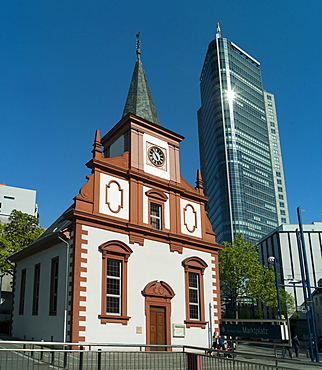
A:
(195, 323)
(105, 319)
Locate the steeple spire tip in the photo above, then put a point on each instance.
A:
(138, 45)
(139, 99)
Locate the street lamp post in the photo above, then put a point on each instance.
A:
(1, 276)
(272, 261)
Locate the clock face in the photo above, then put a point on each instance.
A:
(156, 156)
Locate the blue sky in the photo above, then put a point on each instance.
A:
(65, 70)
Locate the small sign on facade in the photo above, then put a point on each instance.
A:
(139, 330)
(179, 330)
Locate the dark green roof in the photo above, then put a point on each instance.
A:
(139, 99)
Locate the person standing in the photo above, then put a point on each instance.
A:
(296, 345)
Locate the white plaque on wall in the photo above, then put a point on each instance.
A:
(179, 330)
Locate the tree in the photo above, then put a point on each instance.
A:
(243, 278)
(21, 230)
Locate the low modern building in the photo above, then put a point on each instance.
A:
(317, 299)
(282, 244)
(134, 259)
(11, 198)
(23, 200)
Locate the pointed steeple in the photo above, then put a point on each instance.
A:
(97, 151)
(139, 99)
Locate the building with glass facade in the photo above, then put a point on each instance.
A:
(240, 152)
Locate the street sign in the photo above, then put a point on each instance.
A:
(253, 331)
(271, 260)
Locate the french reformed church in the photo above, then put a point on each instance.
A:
(134, 259)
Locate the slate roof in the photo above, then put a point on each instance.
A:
(50, 234)
(58, 226)
(139, 99)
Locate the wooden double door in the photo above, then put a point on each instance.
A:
(158, 329)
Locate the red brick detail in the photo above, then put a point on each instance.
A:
(77, 311)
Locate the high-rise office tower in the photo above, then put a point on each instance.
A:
(240, 152)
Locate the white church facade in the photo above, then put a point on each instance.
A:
(134, 259)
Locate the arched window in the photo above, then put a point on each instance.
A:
(115, 256)
(194, 268)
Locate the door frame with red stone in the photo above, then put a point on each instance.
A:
(158, 295)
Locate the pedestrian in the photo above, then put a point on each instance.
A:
(215, 340)
(287, 349)
(296, 345)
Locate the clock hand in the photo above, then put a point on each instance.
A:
(156, 156)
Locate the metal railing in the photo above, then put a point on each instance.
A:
(18, 355)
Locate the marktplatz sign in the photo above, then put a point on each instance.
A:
(252, 331)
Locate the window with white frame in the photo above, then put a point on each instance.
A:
(194, 305)
(113, 287)
(156, 216)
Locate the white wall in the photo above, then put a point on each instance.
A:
(153, 261)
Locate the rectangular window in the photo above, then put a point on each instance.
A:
(282, 204)
(283, 219)
(113, 287)
(280, 196)
(280, 188)
(8, 197)
(35, 298)
(282, 212)
(273, 131)
(156, 216)
(279, 181)
(272, 124)
(53, 301)
(269, 97)
(278, 174)
(194, 307)
(22, 292)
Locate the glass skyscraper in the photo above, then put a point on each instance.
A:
(240, 152)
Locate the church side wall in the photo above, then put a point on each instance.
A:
(43, 325)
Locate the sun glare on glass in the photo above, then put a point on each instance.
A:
(230, 94)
